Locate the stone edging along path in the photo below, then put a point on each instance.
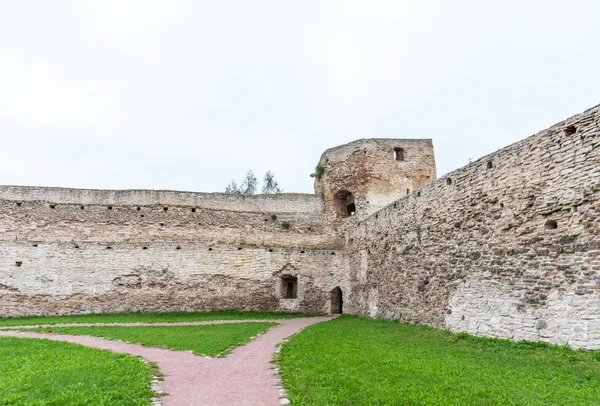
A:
(244, 377)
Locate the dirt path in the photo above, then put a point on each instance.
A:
(244, 378)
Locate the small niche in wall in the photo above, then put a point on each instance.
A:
(19, 204)
(490, 165)
(210, 249)
(165, 209)
(399, 154)
(551, 225)
(144, 248)
(53, 206)
(407, 192)
(138, 208)
(419, 193)
(161, 224)
(109, 207)
(239, 248)
(289, 287)
(570, 130)
(193, 210)
(18, 263)
(109, 248)
(178, 247)
(76, 246)
(82, 207)
(35, 245)
(448, 181)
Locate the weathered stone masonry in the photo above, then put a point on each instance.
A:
(508, 246)
(71, 251)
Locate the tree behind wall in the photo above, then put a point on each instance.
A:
(270, 185)
(249, 185)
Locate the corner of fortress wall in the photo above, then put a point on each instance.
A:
(508, 246)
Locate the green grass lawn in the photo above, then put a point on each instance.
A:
(43, 372)
(147, 317)
(214, 339)
(358, 361)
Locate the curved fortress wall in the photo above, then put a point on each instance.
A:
(72, 251)
(508, 246)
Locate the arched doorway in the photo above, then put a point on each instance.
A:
(344, 204)
(336, 303)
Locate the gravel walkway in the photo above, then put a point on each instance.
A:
(244, 378)
(166, 323)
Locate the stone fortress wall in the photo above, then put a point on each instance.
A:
(70, 251)
(507, 246)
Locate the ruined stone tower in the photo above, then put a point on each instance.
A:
(359, 178)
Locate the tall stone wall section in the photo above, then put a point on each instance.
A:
(73, 251)
(508, 246)
(62, 278)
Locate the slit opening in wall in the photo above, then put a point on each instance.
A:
(399, 154)
(570, 130)
(289, 287)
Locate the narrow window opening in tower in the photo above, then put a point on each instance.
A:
(289, 286)
(344, 204)
(399, 154)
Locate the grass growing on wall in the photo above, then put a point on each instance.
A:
(213, 339)
(357, 361)
(148, 317)
(43, 372)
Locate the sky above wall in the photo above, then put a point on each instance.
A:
(187, 95)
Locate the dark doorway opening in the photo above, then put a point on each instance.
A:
(336, 301)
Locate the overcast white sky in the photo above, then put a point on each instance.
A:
(187, 95)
